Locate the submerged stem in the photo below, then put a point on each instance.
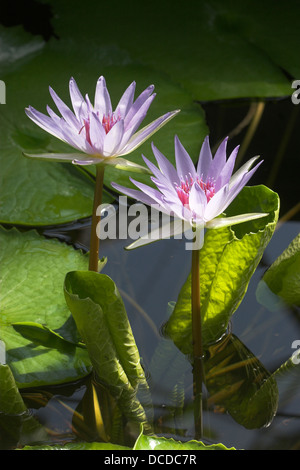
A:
(197, 344)
(94, 242)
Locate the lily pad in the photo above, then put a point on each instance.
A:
(32, 275)
(282, 279)
(211, 48)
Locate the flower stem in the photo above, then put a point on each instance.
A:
(197, 345)
(94, 242)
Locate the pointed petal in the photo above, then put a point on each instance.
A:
(76, 97)
(134, 123)
(138, 103)
(205, 159)
(238, 175)
(113, 138)
(65, 111)
(125, 165)
(45, 122)
(140, 137)
(102, 99)
(58, 157)
(240, 183)
(97, 133)
(221, 222)
(197, 201)
(126, 101)
(184, 164)
(226, 172)
(165, 166)
(134, 194)
(163, 183)
(218, 161)
(168, 230)
(217, 203)
(151, 192)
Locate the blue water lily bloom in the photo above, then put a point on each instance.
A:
(196, 194)
(99, 133)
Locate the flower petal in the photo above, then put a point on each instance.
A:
(205, 160)
(221, 222)
(113, 138)
(218, 161)
(165, 166)
(240, 183)
(126, 101)
(217, 204)
(184, 164)
(45, 122)
(168, 230)
(226, 172)
(134, 193)
(76, 97)
(75, 139)
(97, 133)
(58, 157)
(138, 103)
(140, 137)
(131, 126)
(102, 102)
(197, 201)
(65, 111)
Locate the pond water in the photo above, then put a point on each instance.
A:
(151, 277)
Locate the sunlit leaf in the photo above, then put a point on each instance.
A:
(281, 282)
(102, 322)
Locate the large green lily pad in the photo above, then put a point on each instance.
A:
(32, 276)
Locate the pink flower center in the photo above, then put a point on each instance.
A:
(107, 122)
(183, 190)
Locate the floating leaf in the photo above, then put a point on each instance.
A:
(228, 259)
(32, 275)
(211, 48)
(146, 442)
(281, 282)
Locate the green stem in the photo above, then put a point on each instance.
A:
(94, 242)
(197, 345)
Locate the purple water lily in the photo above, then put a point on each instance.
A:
(198, 195)
(96, 131)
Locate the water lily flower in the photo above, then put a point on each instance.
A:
(99, 134)
(197, 195)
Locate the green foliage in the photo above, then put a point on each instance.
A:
(282, 279)
(102, 322)
(32, 275)
(143, 442)
(228, 259)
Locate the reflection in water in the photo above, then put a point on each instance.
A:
(239, 383)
